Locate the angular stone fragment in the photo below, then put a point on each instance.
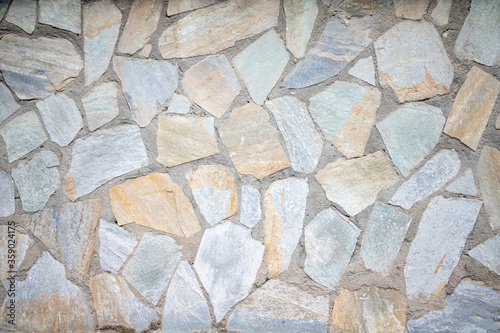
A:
(369, 309)
(186, 308)
(488, 253)
(9, 236)
(23, 14)
(212, 84)
(410, 133)
(64, 14)
(330, 240)
(252, 142)
(354, 184)
(345, 112)
(68, 232)
(284, 209)
(464, 184)
(413, 9)
(216, 28)
(146, 50)
(8, 104)
(300, 17)
(227, 263)
(101, 105)
(260, 65)
(364, 70)
(412, 60)
(180, 6)
(250, 212)
(441, 13)
(179, 104)
(488, 175)
(156, 202)
(146, 84)
(7, 202)
(116, 304)
(35, 68)
(430, 178)
(338, 45)
(116, 245)
(184, 139)
(280, 307)
(102, 156)
(150, 268)
(472, 107)
(436, 249)
(383, 237)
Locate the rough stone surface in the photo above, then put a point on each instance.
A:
(116, 244)
(250, 211)
(180, 6)
(300, 17)
(8, 104)
(464, 184)
(497, 124)
(64, 14)
(7, 201)
(413, 10)
(488, 175)
(23, 242)
(4, 4)
(146, 50)
(179, 104)
(23, 14)
(101, 105)
(441, 13)
(364, 70)
(436, 249)
(488, 253)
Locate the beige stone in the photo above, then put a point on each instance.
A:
(488, 175)
(252, 142)
(472, 107)
(181, 6)
(154, 201)
(411, 9)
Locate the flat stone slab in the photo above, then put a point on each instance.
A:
(63, 14)
(280, 307)
(23, 14)
(488, 253)
(250, 211)
(22, 243)
(7, 201)
(8, 104)
(101, 105)
(116, 244)
(488, 175)
(227, 263)
(412, 60)
(179, 104)
(413, 10)
(464, 184)
(436, 249)
(441, 13)
(181, 6)
(364, 70)
(300, 16)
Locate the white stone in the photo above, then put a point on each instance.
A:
(64, 14)
(441, 13)
(179, 104)
(8, 104)
(250, 211)
(116, 245)
(464, 184)
(364, 70)
(488, 253)
(23, 14)
(7, 202)
(101, 105)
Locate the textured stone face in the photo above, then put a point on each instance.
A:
(8, 104)
(101, 105)
(22, 241)
(441, 13)
(280, 307)
(116, 244)
(64, 14)
(7, 202)
(364, 70)
(464, 184)
(488, 253)
(413, 10)
(488, 175)
(250, 212)
(23, 14)
(180, 6)
(3, 8)
(300, 17)
(179, 104)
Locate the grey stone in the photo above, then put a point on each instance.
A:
(330, 240)
(116, 245)
(488, 253)
(64, 14)
(280, 307)
(302, 140)
(8, 104)
(227, 263)
(23, 242)
(23, 14)
(101, 105)
(186, 309)
(179, 104)
(464, 184)
(364, 70)
(338, 45)
(441, 13)
(488, 175)
(250, 211)
(37, 179)
(430, 178)
(414, 9)
(102, 156)
(436, 249)
(497, 124)
(4, 5)
(150, 268)
(383, 237)
(479, 39)
(180, 6)
(300, 17)
(7, 202)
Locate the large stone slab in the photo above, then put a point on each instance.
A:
(441, 13)
(146, 84)
(260, 65)
(154, 201)
(250, 211)
(413, 10)
(300, 16)
(216, 28)
(116, 244)
(63, 14)
(364, 70)
(102, 156)
(101, 105)
(8, 104)
(280, 307)
(488, 253)
(488, 175)
(354, 184)
(330, 240)
(7, 201)
(12, 240)
(23, 14)
(464, 184)
(227, 263)
(436, 249)
(252, 142)
(412, 60)
(345, 112)
(410, 133)
(35, 68)
(338, 45)
(180, 6)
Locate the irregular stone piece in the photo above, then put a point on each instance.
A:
(150, 268)
(8, 104)
(338, 45)
(488, 175)
(472, 107)
(146, 50)
(430, 178)
(364, 70)
(252, 142)
(436, 249)
(156, 202)
(9, 235)
(260, 65)
(280, 307)
(180, 6)
(383, 237)
(101, 26)
(369, 309)
(68, 232)
(102, 156)
(469, 309)
(413, 10)
(300, 17)
(116, 245)
(64, 14)
(227, 263)
(7, 202)
(441, 13)
(464, 184)
(101, 105)
(216, 28)
(35, 68)
(146, 84)
(250, 212)
(23, 14)
(184, 139)
(179, 104)
(61, 118)
(354, 184)
(488, 253)
(345, 112)
(116, 304)
(212, 84)
(410, 133)
(284, 208)
(186, 308)
(330, 240)
(412, 60)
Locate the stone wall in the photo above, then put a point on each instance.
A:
(251, 165)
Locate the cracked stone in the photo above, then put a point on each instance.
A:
(488, 175)
(464, 184)
(250, 211)
(116, 244)
(7, 200)
(181, 6)
(101, 105)
(22, 13)
(8, 104)
(63, 14)
(364, 70)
